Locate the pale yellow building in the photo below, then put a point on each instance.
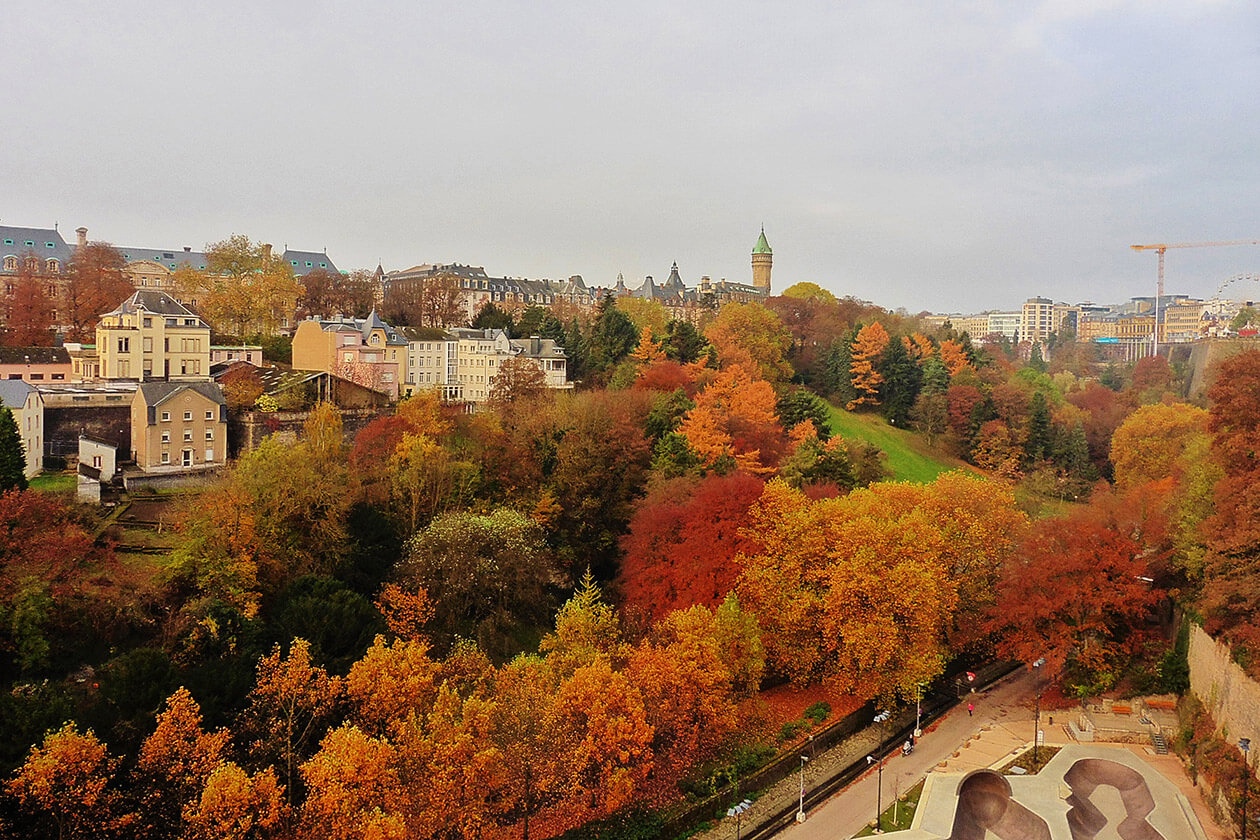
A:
(179, 427)
(463, 363)
(150, 336)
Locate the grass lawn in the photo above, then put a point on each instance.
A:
(909, 458)
(59, 482)
(899, 815)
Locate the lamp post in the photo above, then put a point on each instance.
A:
(800, 813)
(1037, 717)
(737, 811)
(880, 717)
(918, 710)
(1244, 744)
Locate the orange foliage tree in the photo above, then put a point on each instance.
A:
(868, 346)
(64, 784)
(734, 421)
(954, 357)
(235, 805)
(752, 337)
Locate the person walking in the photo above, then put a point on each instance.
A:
(970, 709)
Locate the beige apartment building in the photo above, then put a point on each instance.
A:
(179, 426)
(463, 363)
(366, 351)
(150, 336)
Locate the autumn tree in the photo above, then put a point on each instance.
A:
(96, 282)
(750, 336)
(525, 732)
(292, 700)
(734, 420)
(519, 378)
(177, 759)
(1074, 594)
(648, 316)
(353, 788)
(326, 293)
(244, 288)
(390, 681)
(683, 543)
(64, 785)
(242, 386)
(237, 805)
(30, 310)
(866, 350)
(484, 574)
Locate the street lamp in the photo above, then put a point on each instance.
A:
(880, 717)
(918, 710)
(800, 813)
(737, 811)
(1037, 717)
(1244, 744)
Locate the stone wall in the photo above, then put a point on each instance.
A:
(62, 427)
(246, 430)
(1232, 698)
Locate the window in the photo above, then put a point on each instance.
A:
(209, 434)
(10, 264)
(147, 342)
(96, 461)
(15, 376)
(166, 417)
(58, 376)
(166, 457)
(124, 345)
(166, 436)
(187, 434)
(54, 267)
(37, 376)
(210, 414)
(187, 416)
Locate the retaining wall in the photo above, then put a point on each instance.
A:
(1227, 692)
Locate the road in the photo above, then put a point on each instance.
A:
(1007, 705)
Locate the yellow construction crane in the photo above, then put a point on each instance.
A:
(1159, 287)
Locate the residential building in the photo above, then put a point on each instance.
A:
(1006, 324)
(366, 351)
(1185, 320)
(1038, 319)
(178, 426)
(473, 288)
(38, 252)
(151, 336)
(85, 365)
(27, 406)
(35, 364)
(251, 353)
(463, 363)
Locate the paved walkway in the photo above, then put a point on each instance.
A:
(1001, 726)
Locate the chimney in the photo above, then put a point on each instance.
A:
(267, 252)
(187, 249)
(82, 236)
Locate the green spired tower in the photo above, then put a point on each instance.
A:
(762, 259)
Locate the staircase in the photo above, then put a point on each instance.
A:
(1161, 745)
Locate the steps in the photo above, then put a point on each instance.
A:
(1160, 744)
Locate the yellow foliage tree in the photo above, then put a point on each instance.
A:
(234, 805)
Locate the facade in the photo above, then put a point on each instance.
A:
(38, 252)
(35, 364)
(150, 337)
(366, 351)
(178, 426)
(463, 363)
(251, 353)
(1006, 324)
(85, 365)
(27, 406)
(474, 288)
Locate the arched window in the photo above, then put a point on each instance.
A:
(32, 265)
(10, 263)
(53, 266)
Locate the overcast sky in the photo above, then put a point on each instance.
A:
(938, 156)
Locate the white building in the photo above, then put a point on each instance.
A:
(28, 412)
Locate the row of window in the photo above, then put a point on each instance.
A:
(188, 415)
(188, 435)
(187, 457)
(35, 377)
(32, 265)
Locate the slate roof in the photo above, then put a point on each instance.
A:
(363, 326)
(13, 392)
(156, 302)
(34, 356)
(171, 258)
(156, 393)
(45, 243)
(304, 262)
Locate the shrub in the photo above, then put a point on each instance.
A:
(819, 712)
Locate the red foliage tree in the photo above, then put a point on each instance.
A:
(683, 541)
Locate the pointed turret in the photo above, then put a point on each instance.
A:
(762, 260)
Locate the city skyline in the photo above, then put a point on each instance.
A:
(943, 160)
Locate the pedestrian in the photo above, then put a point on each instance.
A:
(970, 708)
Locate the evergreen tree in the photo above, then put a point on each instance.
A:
(491, 317)
(12, 459)
(902, 380)
(683, 342)
(1038, 445)
(800, 405)
(1036, 360)
(575, 347)
(935, 377)
(837, 369)
(612, 337)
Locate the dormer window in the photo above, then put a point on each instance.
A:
(53, 266)
(10, 263)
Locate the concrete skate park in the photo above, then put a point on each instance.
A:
(1086, 792)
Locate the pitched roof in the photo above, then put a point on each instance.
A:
(171, 258)
(45, 243)
(154, 301)
(34, 356)
(304, 262)
(762, 246)
(156, 393)
(13, 392)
